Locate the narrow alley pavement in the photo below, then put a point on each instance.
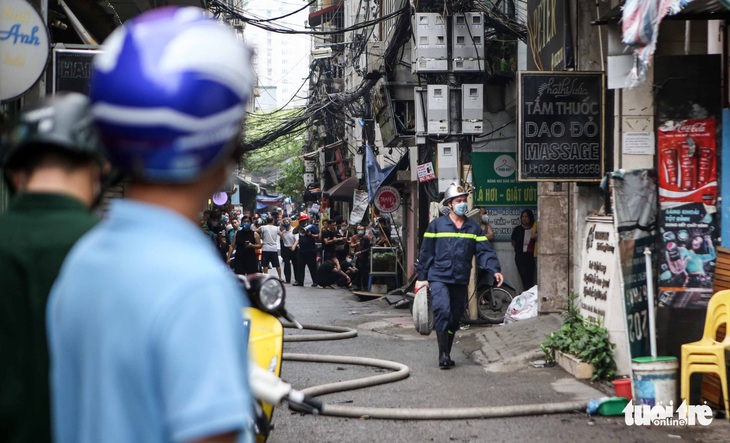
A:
(492, 369)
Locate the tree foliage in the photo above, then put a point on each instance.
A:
(274, 154)
(281, 156)
(291, 179)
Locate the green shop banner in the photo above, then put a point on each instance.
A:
(495, 181)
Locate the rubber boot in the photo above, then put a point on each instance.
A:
(450, 341)
(443, 342)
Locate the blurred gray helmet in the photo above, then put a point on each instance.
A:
(452, 192)
(62, 122)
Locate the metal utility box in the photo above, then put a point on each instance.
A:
(467, 42)
(420, 106)
(437, 101)
(371, 60)
(430, 52)
(308, 178)
(447, 168)
(472, 108)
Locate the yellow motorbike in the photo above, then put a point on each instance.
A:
(266, 344)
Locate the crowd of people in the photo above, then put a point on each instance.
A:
(334, 252)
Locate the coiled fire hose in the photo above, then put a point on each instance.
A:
(401, 371)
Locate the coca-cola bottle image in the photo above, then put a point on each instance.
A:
(687, 167)
(669, 158)
(705, 170)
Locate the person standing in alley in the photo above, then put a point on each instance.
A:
(288, 248)
(306, 246)
(444, 264)
(53, 161)
(270, 247)
(144, 322)
(243, 250)
(524, 240)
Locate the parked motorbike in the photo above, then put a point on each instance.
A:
(266, 344)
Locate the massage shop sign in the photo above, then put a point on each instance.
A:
(561, 126)
(24, 48)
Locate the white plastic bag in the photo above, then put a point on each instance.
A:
(422, 311)
(522, 307)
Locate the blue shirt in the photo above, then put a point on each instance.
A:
(446, 252)
(146, 336)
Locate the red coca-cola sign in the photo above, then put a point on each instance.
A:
(687, 162)
(387, 199)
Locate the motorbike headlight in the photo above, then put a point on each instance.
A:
(271, 294)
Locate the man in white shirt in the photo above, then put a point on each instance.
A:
(270, 248)
(288, 247)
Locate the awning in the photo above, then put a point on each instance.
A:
(268, 200)
(343, 190)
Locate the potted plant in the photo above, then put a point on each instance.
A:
(579, 344)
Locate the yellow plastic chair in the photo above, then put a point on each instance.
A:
(708, 355)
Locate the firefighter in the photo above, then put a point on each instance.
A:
(444, 265)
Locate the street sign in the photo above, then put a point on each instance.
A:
(387, 199)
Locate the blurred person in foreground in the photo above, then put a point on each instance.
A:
(144, 322)
(444, 265)
(53, 163)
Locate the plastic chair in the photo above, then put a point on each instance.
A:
(708, 355)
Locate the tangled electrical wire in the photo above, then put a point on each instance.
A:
(326, 107)
(333, 105)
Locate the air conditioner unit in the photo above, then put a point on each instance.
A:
(320, 53)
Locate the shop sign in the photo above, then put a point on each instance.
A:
(387, 199)
(72, 69)
(561, 129)
(550, 40)
(24, 46)
(600, 299)
(635, 210)
(360, 203)
(495, 181)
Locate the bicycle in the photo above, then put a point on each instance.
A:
(492, 301)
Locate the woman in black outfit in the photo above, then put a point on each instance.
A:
(524, 240)
(245, 243)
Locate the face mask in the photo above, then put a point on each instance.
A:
(376, 229)
(485, 219)
(286, 225)
(360, 232)
(461, 208)
(343, 228)
(246, 226)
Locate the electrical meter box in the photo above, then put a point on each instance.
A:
(437, 102)
(371, 60)
(472, 108)
(467, 41)
(429, 53)
(308, 178)
(447, 168)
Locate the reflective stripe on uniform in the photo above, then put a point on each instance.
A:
(454, 235)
